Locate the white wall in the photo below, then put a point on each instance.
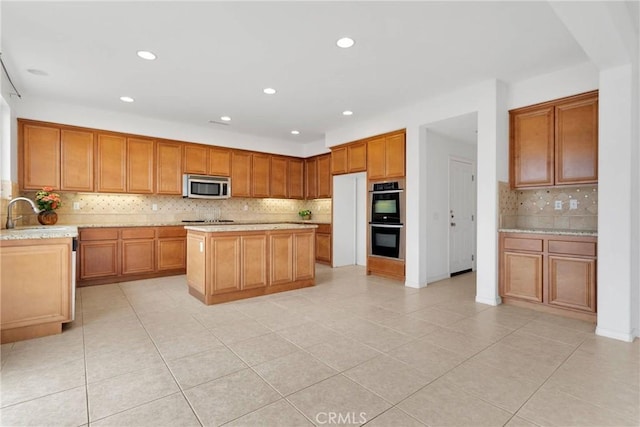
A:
(439, 150)
(349, 218)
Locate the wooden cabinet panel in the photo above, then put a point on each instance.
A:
(219, 161)
(98, 234)
(303, 256)
(357, 157)
(532, 146)
(137, 233)
(572, 248)
(386, 267)
(394, 156)
(281, 253)
(26, 302)
(40, 157)
(172, 253)
(522, 275)
(376, 158)
(254, 267)
(196, 159)
(241, 174)
(225, 264)
(323, 247)
(260, 175)
(140, 165)
(76, 160)
(311, 178)
(168, 168)
(111, 164)
(296, 179)
(572, 283)
(98, 259)
(339, 160)
(198, 265)
(325, 179)
(138, 256)
(521, 244)
(279, 177)
(576, 141)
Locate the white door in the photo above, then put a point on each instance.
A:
(461, 216)
(349, 219)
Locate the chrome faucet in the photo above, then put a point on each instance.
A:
(10, 223)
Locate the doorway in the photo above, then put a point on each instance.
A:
(349, 219)
(462, 215)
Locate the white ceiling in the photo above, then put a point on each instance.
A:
(214, 58)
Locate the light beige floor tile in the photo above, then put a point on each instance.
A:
(566, 322)
(280, 321)
(293, 372)
(219, 316)
(431, 360)
(30, 383)
(132, 357)
(490, 384)
(262, 349)
(442, 405)
(230, 397)
(553, 351)
(554, 332)
(343, 353)
(411, 326)
(172, 410)
(388, 378)
(127, 391)
(308, 334)
(108, 314)
(280, 413)
(438, 317)
(239, 331)
(338, 395)
(375, 314)
(67, 408)
(45, 354)
(187, 344)
(489, 331)
(394, 417)
(379, 337)
(465, 308)
(596, 366)
(509, 318)
(549, 407)
(519, 422)
(200, 368)
(464, 344)
(613, 350)
(255, 309)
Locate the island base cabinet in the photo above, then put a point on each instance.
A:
(227, 266)
(35, 304)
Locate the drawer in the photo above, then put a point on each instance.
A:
(87, 234)
(324, 228)
(138, 233)
(520, 244)
(171, 232)
(572, 248)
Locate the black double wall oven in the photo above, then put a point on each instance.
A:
(387, 219)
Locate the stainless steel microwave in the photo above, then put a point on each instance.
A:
(206, 187)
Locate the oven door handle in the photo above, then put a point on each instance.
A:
(373, 224)
(385, 191)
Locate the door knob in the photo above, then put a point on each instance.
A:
(453, 224)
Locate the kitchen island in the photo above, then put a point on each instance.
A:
(230, 262)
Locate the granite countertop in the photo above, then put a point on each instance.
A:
(40, 232)
(180, 223)
(248, 227)
(559, 232)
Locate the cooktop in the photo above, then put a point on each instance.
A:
(207, 220)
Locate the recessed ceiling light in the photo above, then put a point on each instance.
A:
(345, 42)
(295, 132)
(225, 118)
(145, 54)
(269, 91)
(347, 113)
(126, 99)
(37, 72)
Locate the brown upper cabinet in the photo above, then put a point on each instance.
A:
(311, 178)
(55, 156)
(386, 156)
(140, 165)
(168, 167)
(349, 158)
(279, 177)
(125, 164)
(325, 179)
(296, 178)
(260, 175)
(241, 174)
(555, 143)
(206, 160)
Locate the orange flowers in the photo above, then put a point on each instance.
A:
(46, 200)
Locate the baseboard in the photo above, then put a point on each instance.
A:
(621, 336)
(488, 301)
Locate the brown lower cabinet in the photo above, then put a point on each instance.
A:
(118, 254)
(551, 271)
(323, 244)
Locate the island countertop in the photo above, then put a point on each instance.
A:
(559, 232)
(39, 232)
(247, 227)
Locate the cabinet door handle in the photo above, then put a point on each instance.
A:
(453, 224)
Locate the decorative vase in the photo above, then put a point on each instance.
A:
(306, 217)
(47, 217)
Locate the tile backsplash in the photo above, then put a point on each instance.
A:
(99, 208)
(536, 208)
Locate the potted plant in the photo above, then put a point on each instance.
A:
(305, 214)
(47, 202)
